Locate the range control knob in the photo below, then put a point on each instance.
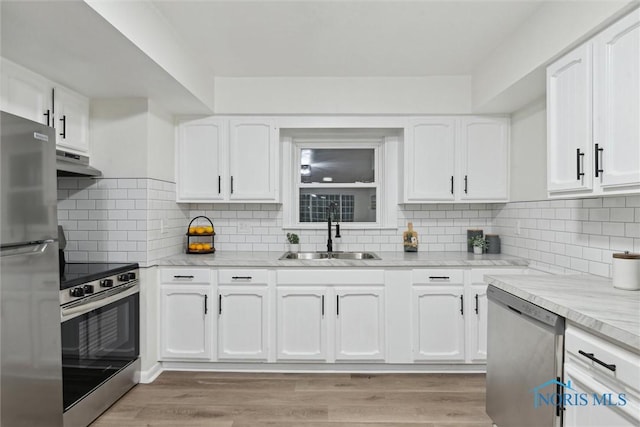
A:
(123, 277)
(132, 276)
(106, 283)
(77, 292)
(88, 289)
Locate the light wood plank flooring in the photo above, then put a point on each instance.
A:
(211, 399)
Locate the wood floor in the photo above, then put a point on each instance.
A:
(199, 399)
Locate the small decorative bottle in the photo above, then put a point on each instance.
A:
(410, 239)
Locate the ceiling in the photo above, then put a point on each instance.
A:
(344, 38)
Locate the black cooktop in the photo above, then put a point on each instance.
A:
(74, 274)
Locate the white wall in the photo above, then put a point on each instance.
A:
(160, 144)
(529, 153)
(118, 135)
(348, 95)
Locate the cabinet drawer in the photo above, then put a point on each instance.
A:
(437, 276)
(243, 276)
(331, 277)
(587, 349)
(185, 275)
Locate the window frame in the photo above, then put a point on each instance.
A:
(291, 199)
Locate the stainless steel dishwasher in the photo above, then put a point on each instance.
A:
(524, 357)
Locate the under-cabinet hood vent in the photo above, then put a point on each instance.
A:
(69, 164)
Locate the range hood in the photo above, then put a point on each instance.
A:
(70, 164)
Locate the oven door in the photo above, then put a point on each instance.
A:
(99, 338)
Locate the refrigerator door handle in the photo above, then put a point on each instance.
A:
(26, 249)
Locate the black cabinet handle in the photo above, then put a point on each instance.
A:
(182, 277)
(241, 278)
(476, 303)
(598, 153)
(579, 156)
(462, 305)
(63, 134)
(206, 309)
(322, 305)
(48, 116)
(231, 184)
(438, 277)
(219, 184)
(451, 184)
(591, 357)
(466, 181)
(220, 304)
(337, 305)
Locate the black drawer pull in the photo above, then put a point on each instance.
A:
(183, 277)
(591, 357)
(438, 277)
(241, 277)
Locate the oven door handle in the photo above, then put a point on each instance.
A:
(68, 313)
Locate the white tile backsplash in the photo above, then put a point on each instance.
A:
(138, 220)
(591, 231)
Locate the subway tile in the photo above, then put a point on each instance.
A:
(614, 202)
(592, 203)
(599, 241)
(622, 214)
(599, 214)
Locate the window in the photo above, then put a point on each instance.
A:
(345, 168)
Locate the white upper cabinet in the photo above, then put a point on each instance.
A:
(26, 94)
(484, 143)
(456, 159)
(569, 122)
(32, 96)
(617, 103)
(593, 105)
(219, 159)
(200, 160)
(253, 160)
(71, 115)
(430, 159)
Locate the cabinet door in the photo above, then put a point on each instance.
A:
(242, 322)
(569, 122)
(185, 322)
(25, 93)
(584, 411)
(476, 317)
(485, 158)
(71, 120)
(438, 323)
(360, 324)
(253, 160)
(200, 160)
(301, 331)
(617, 103)
(430, 159)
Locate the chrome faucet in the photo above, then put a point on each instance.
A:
(332, 207)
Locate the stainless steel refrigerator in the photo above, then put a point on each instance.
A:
(30, 350)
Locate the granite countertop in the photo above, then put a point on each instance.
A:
(588, 301)
(388, 259)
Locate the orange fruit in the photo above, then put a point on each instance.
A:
(199, 247)
(192, 230)
(206, 246)
(208, 229)
(200, 230)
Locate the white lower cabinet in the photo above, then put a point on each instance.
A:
(242, 322)
(438, 323)
(360, 323)
(186, 322)
(301, 332)
(602, 382)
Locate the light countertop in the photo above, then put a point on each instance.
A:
(388, 259)
(588, 301)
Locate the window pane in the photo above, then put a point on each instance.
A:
(354, 204)
(337, 165)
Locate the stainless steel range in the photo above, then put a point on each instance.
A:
(100, 308)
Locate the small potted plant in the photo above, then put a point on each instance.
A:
(479, 244)
(294, 242)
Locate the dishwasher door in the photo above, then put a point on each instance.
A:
(525, 352)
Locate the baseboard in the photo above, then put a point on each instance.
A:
(151, 374)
